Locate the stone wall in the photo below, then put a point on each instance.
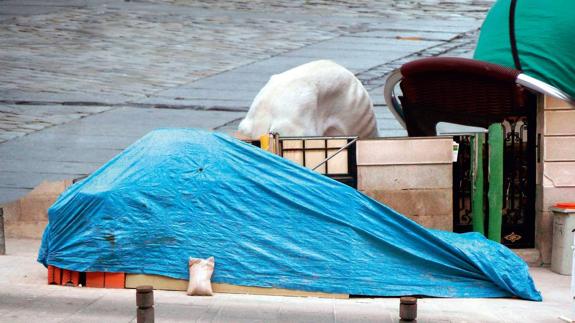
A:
(28, 216)
(411, 175)
(556, 167)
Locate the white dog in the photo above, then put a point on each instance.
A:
(320, 98)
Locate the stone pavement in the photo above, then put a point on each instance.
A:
(82, 79)
(26, 297)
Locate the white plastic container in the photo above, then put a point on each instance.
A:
(563, 240)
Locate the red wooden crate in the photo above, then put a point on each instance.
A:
(95, 279)
(105, 280)
(70, 278)
(115, 280)
(58, 276)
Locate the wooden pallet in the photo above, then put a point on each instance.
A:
(166, 283)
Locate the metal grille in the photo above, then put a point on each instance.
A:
(348, 177)
(462, 186)
(518, 184)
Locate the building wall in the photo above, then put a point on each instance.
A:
(556, 167)
(411, 175)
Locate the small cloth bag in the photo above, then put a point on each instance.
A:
(200, 276)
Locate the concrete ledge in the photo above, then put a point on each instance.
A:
(552, 103)
(167, 283)
(430, 208)
(559, 148)
(396, 177)
(28, 216)
(531, 256)
(402, 151)
(559, 123)
(559, 174)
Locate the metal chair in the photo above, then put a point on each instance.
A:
(461, 91)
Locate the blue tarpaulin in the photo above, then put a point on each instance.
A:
(268, 222)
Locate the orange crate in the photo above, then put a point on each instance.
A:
(53, 278)
(115, 280)
(58, 276)
(70, 278)
(95, 279)
(105, 280)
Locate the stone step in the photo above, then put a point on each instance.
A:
(531, 256)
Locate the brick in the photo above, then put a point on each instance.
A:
(554, 195)
(554, 103)
(28, 216)
(58, 276)
(430, 208)
(53, 279)
(396, 177)
(559, 122)
(115, 280)
(438, 221)
(531, 256)
(12, 212)
(559, 174)
(544, 235)
(559, 148)
(105, 280)
(70, 278)
(95, 279)
(26, 229)
(437, 150)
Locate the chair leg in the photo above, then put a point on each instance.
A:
(419, 124)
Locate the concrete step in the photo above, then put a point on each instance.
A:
(531, 256)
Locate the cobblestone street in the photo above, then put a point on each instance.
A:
(71, 66)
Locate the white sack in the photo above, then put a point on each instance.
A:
(320, 98)
(200, 276)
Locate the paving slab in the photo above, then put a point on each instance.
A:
(81, 146)
(19, 120)
(407, 34)
(366, 43)
(25, 297)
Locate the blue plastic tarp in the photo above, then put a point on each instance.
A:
(268, 222)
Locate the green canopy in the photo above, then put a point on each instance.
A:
(545, 40)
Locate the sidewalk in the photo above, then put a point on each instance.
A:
(81, 80)
(26, 297)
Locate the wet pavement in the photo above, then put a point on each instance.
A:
(131, 66)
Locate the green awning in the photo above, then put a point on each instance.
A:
(545, 38)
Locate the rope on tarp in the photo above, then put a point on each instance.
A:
(512, 39)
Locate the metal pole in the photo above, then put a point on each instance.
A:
(495, 194)
(572, 292)
(145, 303)
(337, 152)
(2, 236)
(477, 215)
(573, 277)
